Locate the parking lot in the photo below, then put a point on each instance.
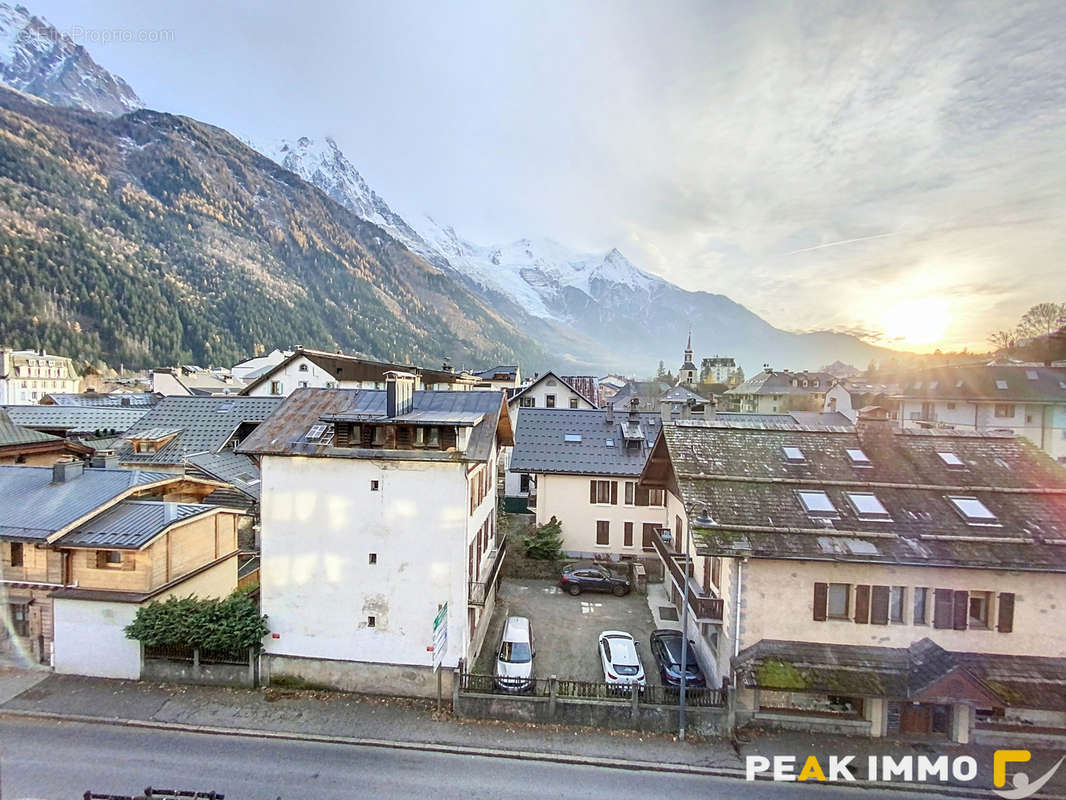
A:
(566, 629)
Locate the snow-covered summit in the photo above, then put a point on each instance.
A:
(38, 59)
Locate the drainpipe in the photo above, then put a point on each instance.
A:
(736, 624)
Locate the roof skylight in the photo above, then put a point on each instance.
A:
(817, 503)
(973, 511)
(316, 432)
(868, 506)
(794, 455)
(1001, 384)
(572, 437)
(1032, 374)
(952, 460)
(858, 458)
(609, 442)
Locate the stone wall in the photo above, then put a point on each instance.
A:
(354, 676)
(163, 670)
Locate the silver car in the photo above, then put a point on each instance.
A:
(621, 664)
(514, 656)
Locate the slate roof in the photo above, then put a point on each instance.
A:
(131, 524)
(75, 419)
(103, 400)
(540, 444)
(795, 420)
(1024, 384)
(780, 382)
(682, 394)
(899, 672)
(284, 432)
(12, 434)
(749, 487)
(206, 424)
(236, 469)
(499, 373)
(648, 392)
(34, 508)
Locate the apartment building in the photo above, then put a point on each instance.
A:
(28, 375)
(779, 391)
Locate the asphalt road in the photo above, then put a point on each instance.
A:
(60, 761)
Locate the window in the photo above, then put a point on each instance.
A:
(371, 622)
(973, 511)
(716, 571)
(977, 610)
(794, 455)
(315, 432)
(603, 532)
(952, 461)
(657, 497)
(549, 401)
(631, 492)
(111, 559)
(867, 506)
(895, 604)
(858, 458)
(573, 402)
(627, 534)
(375, 485)
(1032, 375)
(837, 600)
(572, 437)
(373, 559)
(817, 503)
(523, 483)
(527, 402)
(1001, 384)
(920, 598)
(951, 406)
(609, 442)
(20, 619)
(275, 387)
(603, 492)
(303, 368)
(16, 554)
(1004, 410)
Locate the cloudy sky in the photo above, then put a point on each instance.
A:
(894, 169)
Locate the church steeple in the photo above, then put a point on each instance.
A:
(686, 376)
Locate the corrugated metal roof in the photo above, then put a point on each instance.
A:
(236, 469)
(12, 434)
(102, 400)
(541, 444)
(75, 419)
(205, 425)
(131, 524)
(34, 508)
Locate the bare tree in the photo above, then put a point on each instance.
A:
(1001, 340)
(1041, 320)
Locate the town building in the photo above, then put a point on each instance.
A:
(77, 422)
(848, 395)
(609, 386)
(378, 512)
(19, 445)
(681, 401)
(1027, 400)
(499, 378)
(318, 369)
(27, 375)
(873, 581)
(688, 375)
(720, 369)
(646, 393)
(83, 547)
(582, 466)
(191, 381)
(248, 370)
(779, 391)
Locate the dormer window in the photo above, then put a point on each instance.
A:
(952, 461)
(433, 438)
(858, 458)
(817, 503)
(868, 506)
(379, 436)
(793, 455)
(973, 511)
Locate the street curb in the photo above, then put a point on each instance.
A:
(489, 752)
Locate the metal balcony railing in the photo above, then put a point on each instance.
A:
(477, 591)
(704, 607)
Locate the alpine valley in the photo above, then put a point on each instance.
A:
(143, 237)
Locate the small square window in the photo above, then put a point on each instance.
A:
(375, 485)
(373, 558)
(973, 511)
(817, 503)
(868, 506)
(573, 402)
(794, 455)
(1001, 385)
(858, 458)
(371, 622)
(952, 461)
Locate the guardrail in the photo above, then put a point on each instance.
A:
(705, 607)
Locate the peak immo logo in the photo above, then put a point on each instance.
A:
(1023, 785)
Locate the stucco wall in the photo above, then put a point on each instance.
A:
(89, 639)
(778, 599)
(320, 523)
(546, 387)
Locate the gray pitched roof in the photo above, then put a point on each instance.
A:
(541, 446)
(750, 489)
(12, 434)
(793, 420)
(75, 419)
(587, 381)
(34, 508)
(131, 524)
(681, 394)
(233, 468)
(205, 425)
(104, 400)
(1023, 384)
(499, 373)
(781, 382)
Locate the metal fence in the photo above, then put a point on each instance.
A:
(224, 657)
(487, 684)
(170, 652)
(189, 654)
(696, 697)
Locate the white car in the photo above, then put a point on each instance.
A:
(621, 664)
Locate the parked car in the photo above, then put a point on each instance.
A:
(514, 656)
(589, 577)
(621, 664)
(666, 649)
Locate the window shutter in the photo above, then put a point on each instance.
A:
(862, 604)
(879, 605)
(101, 559)
(642, 496)
(614, 493)
(821, 599)
(129, 561)
(592, 491)
(1006, 612)
(962, 602)
(942, 606)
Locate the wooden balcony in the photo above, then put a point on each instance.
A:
(477, 591)
(704, 607)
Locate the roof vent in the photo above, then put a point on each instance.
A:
(104, 459)
(67, 471)
(609, 414)
(399, 393)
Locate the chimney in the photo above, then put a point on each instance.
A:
(399, 393)
(874, 430)
(686, 408)
(608, 416)
(104, 459)
(67, 470)
(634, 414)
(710, 410)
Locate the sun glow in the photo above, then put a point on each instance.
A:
(919, 322)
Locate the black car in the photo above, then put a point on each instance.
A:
(666, 648)
(578, 578)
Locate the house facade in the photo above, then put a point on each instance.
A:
(1026, 400)
(28, 375)
(378, 511)
(83, 547)
(582, 467)
(779, 391)
(916, 572)
(719, 369)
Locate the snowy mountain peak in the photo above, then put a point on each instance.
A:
(38, 59)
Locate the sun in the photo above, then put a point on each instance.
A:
(919, 322)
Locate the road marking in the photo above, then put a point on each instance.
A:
(589, 608)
